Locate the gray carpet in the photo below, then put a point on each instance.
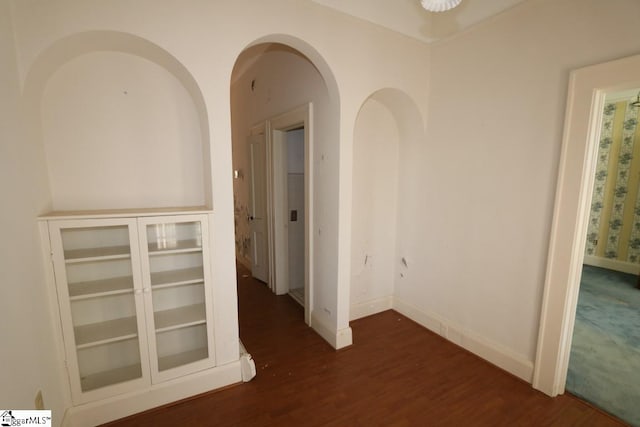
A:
(604, 367)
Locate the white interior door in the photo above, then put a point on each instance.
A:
(258, 208)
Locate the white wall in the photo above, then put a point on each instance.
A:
(29, 356)
(475, 244)
(206, 37)
(496, 110)
(120, 131)
(375, 189)
(295, 151)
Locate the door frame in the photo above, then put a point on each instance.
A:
(277, 201)
(587, 90)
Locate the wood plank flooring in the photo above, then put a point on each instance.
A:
(396, 374)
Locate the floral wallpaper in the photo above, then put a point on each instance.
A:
(600, 178)
(614, 224)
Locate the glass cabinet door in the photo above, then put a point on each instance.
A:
(177, 296)
(100, 292)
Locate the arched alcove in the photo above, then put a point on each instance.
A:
(122, 122)
(387, 135)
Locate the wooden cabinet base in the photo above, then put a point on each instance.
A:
(124, 405)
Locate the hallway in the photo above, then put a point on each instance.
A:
(397, 373)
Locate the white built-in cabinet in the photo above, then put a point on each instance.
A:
(134, 296)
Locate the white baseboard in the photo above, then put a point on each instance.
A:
(368, 308)
(337, 339)
(103, 411)
(480, 346)
(344, 338)
(612, 264)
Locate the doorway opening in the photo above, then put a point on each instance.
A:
(272, 148)
(603, 366)
(289, 174)
(277, 88)
(585, 102)
(279, 211)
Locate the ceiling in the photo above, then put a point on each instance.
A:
(409, 18)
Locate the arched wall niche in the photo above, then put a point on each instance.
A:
(150, 64)
(387, 140)
(405, 111)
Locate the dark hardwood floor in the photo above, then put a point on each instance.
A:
(396, 374)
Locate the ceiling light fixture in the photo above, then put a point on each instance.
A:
(439, 5)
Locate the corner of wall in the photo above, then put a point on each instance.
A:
(492, 352)
(338, 339)
(370, 307)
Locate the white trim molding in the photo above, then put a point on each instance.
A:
(371, 307)
(612, 264)
(492, 352)
(336, 338)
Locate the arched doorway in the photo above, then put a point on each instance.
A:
(281, 85)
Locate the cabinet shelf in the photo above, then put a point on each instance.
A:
(171, 361)
(181, 317)
(95, 334)
(96, 254)
(98, 288)
(133, 294)
(177, 277)
(176, 247)
(113, 376)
